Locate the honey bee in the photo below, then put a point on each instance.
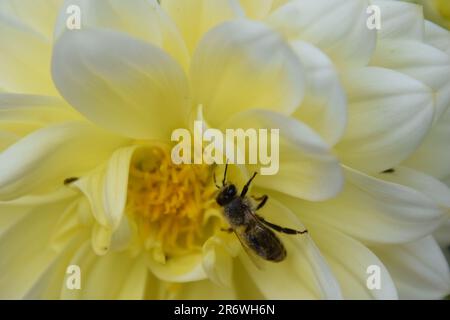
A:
(252, 230)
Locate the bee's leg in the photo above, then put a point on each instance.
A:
(263, 199)
(280, 228)
(247, 185)
(229, 230)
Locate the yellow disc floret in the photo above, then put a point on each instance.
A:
(169, 202)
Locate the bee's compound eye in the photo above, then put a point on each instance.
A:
(231, 190)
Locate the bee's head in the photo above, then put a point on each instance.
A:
(226, 194)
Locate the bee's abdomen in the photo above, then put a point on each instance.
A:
(265, 244)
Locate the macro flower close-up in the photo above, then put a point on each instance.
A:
(352, 200)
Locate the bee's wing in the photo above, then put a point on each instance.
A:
(256, 218)
(253, 257)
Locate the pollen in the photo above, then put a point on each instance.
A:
(170, 203)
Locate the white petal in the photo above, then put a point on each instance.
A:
(45, 158)
(400, 20)
(442, 235)
(349, 261)
(195, 17)
(142, 19)
(325, 105)
(304, 274)
(339, 27)
(419, 269)
(373, 211)
(420, 61)
(243, 65)
(121, 83)
(437, 36)
(307, 167)
(389, 115)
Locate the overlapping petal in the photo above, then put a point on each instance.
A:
(304, 274)
(419, 269)
(338, 27)
(196, 17)
(129, 274)
(26, 263)
(389, 116)
(420, 61)
(437, 36)
(324, 108)
(41, 18)
(242, 65)
(22, 114)
(373, 210)
(419, 181)
(400, 20)
(142, 19)
(39, 161)
(256, 9)
(433, 155)
(307, 167)
(24, 58)
(349, 261)
(145, 95)
(106, 190)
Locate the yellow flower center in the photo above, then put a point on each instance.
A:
(171, 204)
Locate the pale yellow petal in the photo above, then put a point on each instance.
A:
(349, 261)
(307, 167)
(121, 83)
(142, 19)
(420, 61)
(39, 15)
(419, 269)
(42, 160)
(400, 20)
(324, 108)
(338, 27)
(389, 116)
(242, 65)
(196, 17)
(24, 58)
(373, 210)
(304, 274)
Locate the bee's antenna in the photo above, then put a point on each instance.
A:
(225, 174)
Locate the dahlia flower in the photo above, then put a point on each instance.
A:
(87, 179)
